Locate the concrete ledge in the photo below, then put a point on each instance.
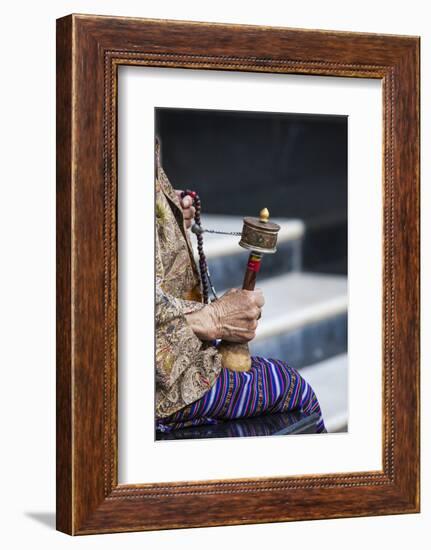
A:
(304, 319)
(297, 299)
(306, 345)
(329, 380)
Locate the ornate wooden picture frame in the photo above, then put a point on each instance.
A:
(89, 51)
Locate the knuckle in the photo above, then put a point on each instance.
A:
(250, 316)
(252, 324)
(259, 295)
(249, 298)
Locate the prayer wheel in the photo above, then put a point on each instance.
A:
(259, 235)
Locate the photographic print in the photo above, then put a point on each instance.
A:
(251, 273)
(237, 234)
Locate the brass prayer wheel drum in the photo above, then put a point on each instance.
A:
(259, 234)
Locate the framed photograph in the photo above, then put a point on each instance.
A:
(237, 274)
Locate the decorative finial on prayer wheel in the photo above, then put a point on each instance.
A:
(264, 215)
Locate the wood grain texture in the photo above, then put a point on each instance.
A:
(90, 49)
(64, 497)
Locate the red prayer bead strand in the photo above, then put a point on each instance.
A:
(203, 266)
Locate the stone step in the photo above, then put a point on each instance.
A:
(304, 319)
(329, 379)
(227, 260)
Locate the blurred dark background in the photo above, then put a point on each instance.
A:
(294, 164)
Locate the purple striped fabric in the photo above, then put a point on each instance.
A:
(270, 386)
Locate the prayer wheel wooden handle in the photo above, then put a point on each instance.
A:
(251, 272)
(259, 237)
(236, 356)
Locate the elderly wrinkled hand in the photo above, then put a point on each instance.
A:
(187, 207)
(233, 317)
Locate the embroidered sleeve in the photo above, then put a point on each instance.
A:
(186, 367)
(177, 347)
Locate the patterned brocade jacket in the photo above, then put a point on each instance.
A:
(186, 367)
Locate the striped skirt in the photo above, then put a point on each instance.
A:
(270, 386)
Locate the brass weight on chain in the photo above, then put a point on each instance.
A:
(259, 235)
